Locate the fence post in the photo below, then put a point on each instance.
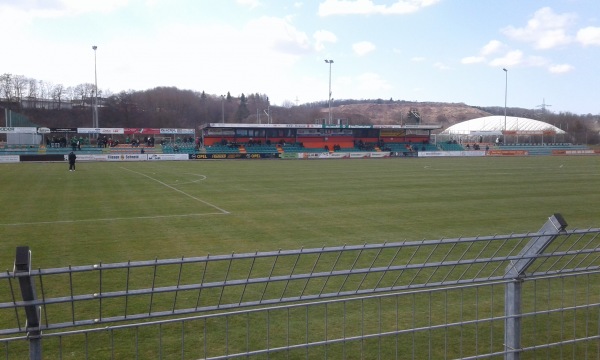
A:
(32, 312)
(515, 271)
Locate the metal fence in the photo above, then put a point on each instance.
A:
(533, 295)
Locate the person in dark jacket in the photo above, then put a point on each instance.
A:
(72, 158)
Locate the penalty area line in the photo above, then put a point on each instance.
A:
(111, 219)
(179, 191)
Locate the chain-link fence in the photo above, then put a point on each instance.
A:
(502, 296)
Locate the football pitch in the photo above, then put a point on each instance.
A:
(119, 211)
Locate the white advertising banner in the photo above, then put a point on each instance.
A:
(88, 130)
(382, 154)
(379, 154)
(343, 155)
(85, 157)
(112, 131)
(18, 130)
(101, 130)
(359, 155)
(9, 158)
(174, 131)
(451, 153)
(158, 157)
(127, 157)
(322, 155)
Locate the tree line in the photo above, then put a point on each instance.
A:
(56, 105)
(173, 107)
(16, 88)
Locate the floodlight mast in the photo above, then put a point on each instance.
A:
(329, 98)
(505, 98)
(222, 109)
(95, 105)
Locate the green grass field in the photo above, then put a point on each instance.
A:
(114, 212)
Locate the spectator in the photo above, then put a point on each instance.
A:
(72, 157)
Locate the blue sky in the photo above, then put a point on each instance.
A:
(416, 50)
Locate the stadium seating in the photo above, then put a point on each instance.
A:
(66, 150)
(222, 149)
(19, 150)
(41, 150)
(444, 146)
(179, 148)
(292, 148)
(542, 149)
(404, 147)
(261, 149)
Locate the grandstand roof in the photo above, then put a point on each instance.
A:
(494, 125)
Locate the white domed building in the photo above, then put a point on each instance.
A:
(509, 129)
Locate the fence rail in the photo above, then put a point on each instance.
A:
(477, 297)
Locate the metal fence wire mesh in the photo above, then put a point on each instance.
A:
(480, 297)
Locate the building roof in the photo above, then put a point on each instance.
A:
(494, 125)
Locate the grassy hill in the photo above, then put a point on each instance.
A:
(444, 114)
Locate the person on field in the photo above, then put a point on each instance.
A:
(72, 158)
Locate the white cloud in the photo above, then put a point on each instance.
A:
(545, 30)
(363, 48)
(372, 82)
(511, 58)
(321, 37)
(517, 58)
(418, 59)
(249, 3)
(58, 8)
(472, 60)
(367, 7)
(560, 68)
(18, 15)
(491, 47)
(277, 34)
(536, 61)
(78, 6)
(441, 66)
(589, 36)
(269, 47)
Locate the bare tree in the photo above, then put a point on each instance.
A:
(42, 90)
(19, 87)
(69, 93)
(32, 92)
(58, 94)
(6, 84)
(287, 104)
(83, 92)
(32, 89)
(48, 88)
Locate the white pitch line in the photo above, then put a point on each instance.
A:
(179, 191)
(200, 178)
(110, 219)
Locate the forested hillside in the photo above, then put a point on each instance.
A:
(56, 106)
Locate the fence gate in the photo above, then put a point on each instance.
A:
(504, 297)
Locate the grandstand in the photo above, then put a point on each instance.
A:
(276, 140)
(292, 138)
